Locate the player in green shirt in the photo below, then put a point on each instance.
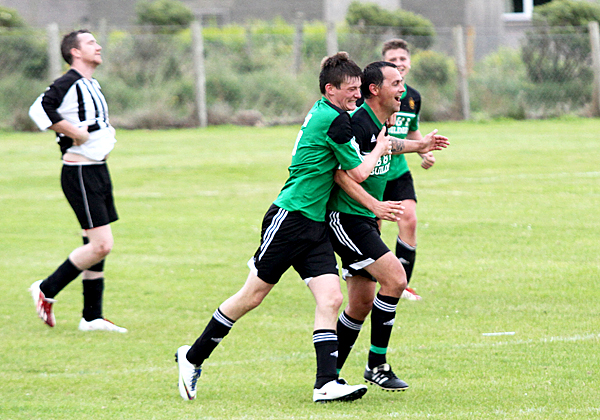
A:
(355, 234)
(400, 185)
(294, 233)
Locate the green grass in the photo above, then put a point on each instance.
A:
(508, 241)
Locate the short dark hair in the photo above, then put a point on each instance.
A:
(394, 44)
(337, 69)
(70, 41)
(373, 75)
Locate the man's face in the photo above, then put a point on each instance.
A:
(346, 96)
(391, 89)
(89, 51)
(399, 57)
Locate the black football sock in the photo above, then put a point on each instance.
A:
(407, 255)
(58, 280)
(382, 322)
(218, 327)
(347, 330)
(92, 298)
(326, 347)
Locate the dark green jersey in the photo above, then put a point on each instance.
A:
(365, 127)
(325, 143)
(407, 119)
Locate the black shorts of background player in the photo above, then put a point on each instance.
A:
(75, 108)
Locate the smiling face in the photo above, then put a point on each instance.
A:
(346, 95)
(391, 89)
(401, 58)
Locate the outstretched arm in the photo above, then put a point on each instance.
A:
(428, 160)
(386, 210)
(430, 142)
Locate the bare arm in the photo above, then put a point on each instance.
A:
(430, 142)
(79, 135)
(362, 171)
(386, 210)
(428, 160)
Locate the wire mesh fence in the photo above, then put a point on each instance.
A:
(261, 76)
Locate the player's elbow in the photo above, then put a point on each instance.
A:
(357, 175)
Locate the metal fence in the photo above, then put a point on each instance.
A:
(262, 76)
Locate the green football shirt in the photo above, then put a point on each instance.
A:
(325, 143)
(366, 127)
(407, 119)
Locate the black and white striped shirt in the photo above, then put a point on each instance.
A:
(79, 101)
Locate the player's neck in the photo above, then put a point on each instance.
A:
(84, 69)
(381, 113)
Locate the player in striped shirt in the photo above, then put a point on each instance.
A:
(75, 108)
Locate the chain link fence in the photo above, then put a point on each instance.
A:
(270, 75)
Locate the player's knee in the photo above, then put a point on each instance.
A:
(332, 301)
(103, 248)
(408, 222)
(363, 307)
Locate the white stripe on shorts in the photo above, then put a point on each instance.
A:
(84, 197)
(272, 230)
(340, 234)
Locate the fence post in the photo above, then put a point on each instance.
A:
(297, 49)
(595, 43)
(198, 53)
(54, 60)
(332, 42)
(461, 64)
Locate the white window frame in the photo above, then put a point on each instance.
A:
(525, 15)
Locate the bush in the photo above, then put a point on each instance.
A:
(430, 67)
(166, 16)
(558, 47)
(370, 18)
(497, 85)
(10, 18)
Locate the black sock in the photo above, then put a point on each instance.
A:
(92, 298)
(58, 280)
(407, 255)
(326, 347)
(347, 330)
(382, 322)
(218, 327)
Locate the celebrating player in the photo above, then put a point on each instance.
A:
(355, 234)
(294, 233)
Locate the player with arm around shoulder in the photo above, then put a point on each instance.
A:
(294, 234)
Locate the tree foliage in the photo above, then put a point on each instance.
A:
(371, 18)
(558, 46)
(164, 15)
(10, 18)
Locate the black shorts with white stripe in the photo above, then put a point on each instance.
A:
(289, 239)
(88, 189)
(357, 240)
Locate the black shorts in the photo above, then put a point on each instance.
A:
(88, 189)
(289, 239)
(401, 188)
(357, 240)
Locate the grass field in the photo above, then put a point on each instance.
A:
(508, 242)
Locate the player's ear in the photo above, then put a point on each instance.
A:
(374, 89)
